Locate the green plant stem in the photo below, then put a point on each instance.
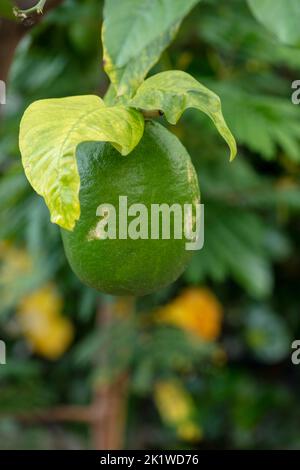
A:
(38, 8)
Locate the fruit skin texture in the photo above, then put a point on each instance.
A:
(159, 170)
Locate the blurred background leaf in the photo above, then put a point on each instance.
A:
(282, 18)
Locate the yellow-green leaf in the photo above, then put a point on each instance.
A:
(173, 92)
(49, 134)
(135, 33)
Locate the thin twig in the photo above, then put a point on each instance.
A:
(84, 414)
(38, 8)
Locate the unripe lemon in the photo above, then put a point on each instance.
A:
(158, 171)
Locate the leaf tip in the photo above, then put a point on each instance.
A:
(233, 152)
(65, 224)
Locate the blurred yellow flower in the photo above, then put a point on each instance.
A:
(189, 431)
(173, 403)
(176, 409)
(45, 329)
(15, 261)
(196, 310)
(45, 299)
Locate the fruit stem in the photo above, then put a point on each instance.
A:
(110, 398)
(153, 113)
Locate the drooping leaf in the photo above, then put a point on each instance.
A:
(281, 17)
(175, 91)
(49, 134)
(134, 35)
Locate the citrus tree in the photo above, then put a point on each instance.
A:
(134, 35)
(124, 138)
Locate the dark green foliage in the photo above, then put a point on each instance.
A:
(251, 257)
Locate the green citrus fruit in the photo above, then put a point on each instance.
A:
(157, 171)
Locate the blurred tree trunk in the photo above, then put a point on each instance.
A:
(110, 400)
(108, 431)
